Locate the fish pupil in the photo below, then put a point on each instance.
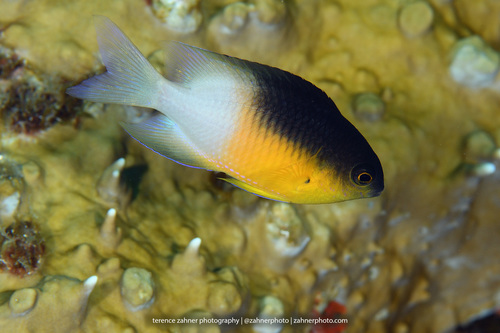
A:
(365, 178)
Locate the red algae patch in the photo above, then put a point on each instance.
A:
(22, 249)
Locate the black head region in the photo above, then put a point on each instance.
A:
(303, 114)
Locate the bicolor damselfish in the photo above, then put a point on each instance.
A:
(273, 133)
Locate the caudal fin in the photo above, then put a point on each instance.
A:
(130, 79)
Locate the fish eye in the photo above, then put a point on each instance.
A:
(364, 178)
(361, 175)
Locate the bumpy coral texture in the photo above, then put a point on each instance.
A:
(99, 234)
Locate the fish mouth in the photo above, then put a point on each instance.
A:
(376, 192)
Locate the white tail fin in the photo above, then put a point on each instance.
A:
(130, 79)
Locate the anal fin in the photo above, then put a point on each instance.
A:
(164, 137)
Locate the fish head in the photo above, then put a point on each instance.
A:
(329, 185)
(328, 176)
(365, 180)
(361, 175)
(353, 175)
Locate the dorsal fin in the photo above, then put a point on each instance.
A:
(184, 63)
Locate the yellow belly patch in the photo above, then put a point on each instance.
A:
(266, 164)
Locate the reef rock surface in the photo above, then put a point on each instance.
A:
(99, 234)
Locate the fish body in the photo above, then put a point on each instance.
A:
(273, 133)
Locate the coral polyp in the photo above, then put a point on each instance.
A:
(22, 249)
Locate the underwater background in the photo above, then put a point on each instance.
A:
(100, 234)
